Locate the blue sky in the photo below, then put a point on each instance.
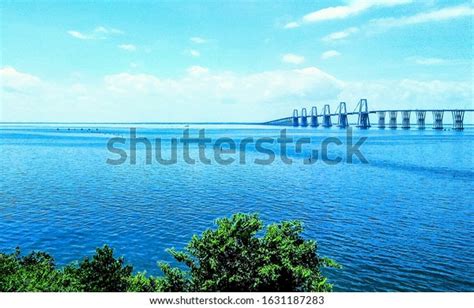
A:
(245, 61)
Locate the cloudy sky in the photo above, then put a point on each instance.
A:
(121, 61)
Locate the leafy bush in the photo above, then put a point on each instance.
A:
(32, 273)
(234, 258)
(104, 273)
(141, 283)
(229, 258)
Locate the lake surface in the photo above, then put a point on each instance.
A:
(402, 222)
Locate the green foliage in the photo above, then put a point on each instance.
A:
(32, 273)
(173, 280)
(230, 258)
(36, 272)
(141, 283)
(234, 258)
(104, 273)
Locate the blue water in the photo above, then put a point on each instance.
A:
(402, 222)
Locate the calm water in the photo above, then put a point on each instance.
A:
(404, 222)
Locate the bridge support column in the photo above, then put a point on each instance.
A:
(458, 119)
(304, 117)
(363, 120)
(327, 116)
(381, 115)
(420, 119)
(393, 120)
(438, 119)
(406, 119)
(342, 120)
(295, 118)
(314, 117)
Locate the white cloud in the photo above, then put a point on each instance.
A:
(197, 70)
(201, 94)
(409, 93)
(443, 14)
(354, 7)
(330, 54)
(382, 24)
(335, 36)
(292, 58)
(79, 35)
(291, 25)
(126, 82)
(13, 80)
(198, 40)
(98, 33)
(128, 47)
(430, 61)
(427, 61)
(337, 12)
(107, 30)
(194, 53)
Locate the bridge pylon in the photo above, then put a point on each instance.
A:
(420, 119)
(327, 116)
(393, 120)
(314, 117)
(381, 115)
(458, 119)
(304, 117)
(438, 119)
(295, 118)
(363, 121)
(342, 117)
(406, 119)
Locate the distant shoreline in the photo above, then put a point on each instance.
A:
(184, 123)
(191, 123)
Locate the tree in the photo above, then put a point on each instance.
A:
(233, 258)
(34, 272)
(237, 256)
(104, 273)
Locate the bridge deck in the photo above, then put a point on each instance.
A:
(286, 119)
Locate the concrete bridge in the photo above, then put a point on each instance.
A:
(361, 112)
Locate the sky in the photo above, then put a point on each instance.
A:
(178, 61)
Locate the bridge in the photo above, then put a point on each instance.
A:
(362, 113)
